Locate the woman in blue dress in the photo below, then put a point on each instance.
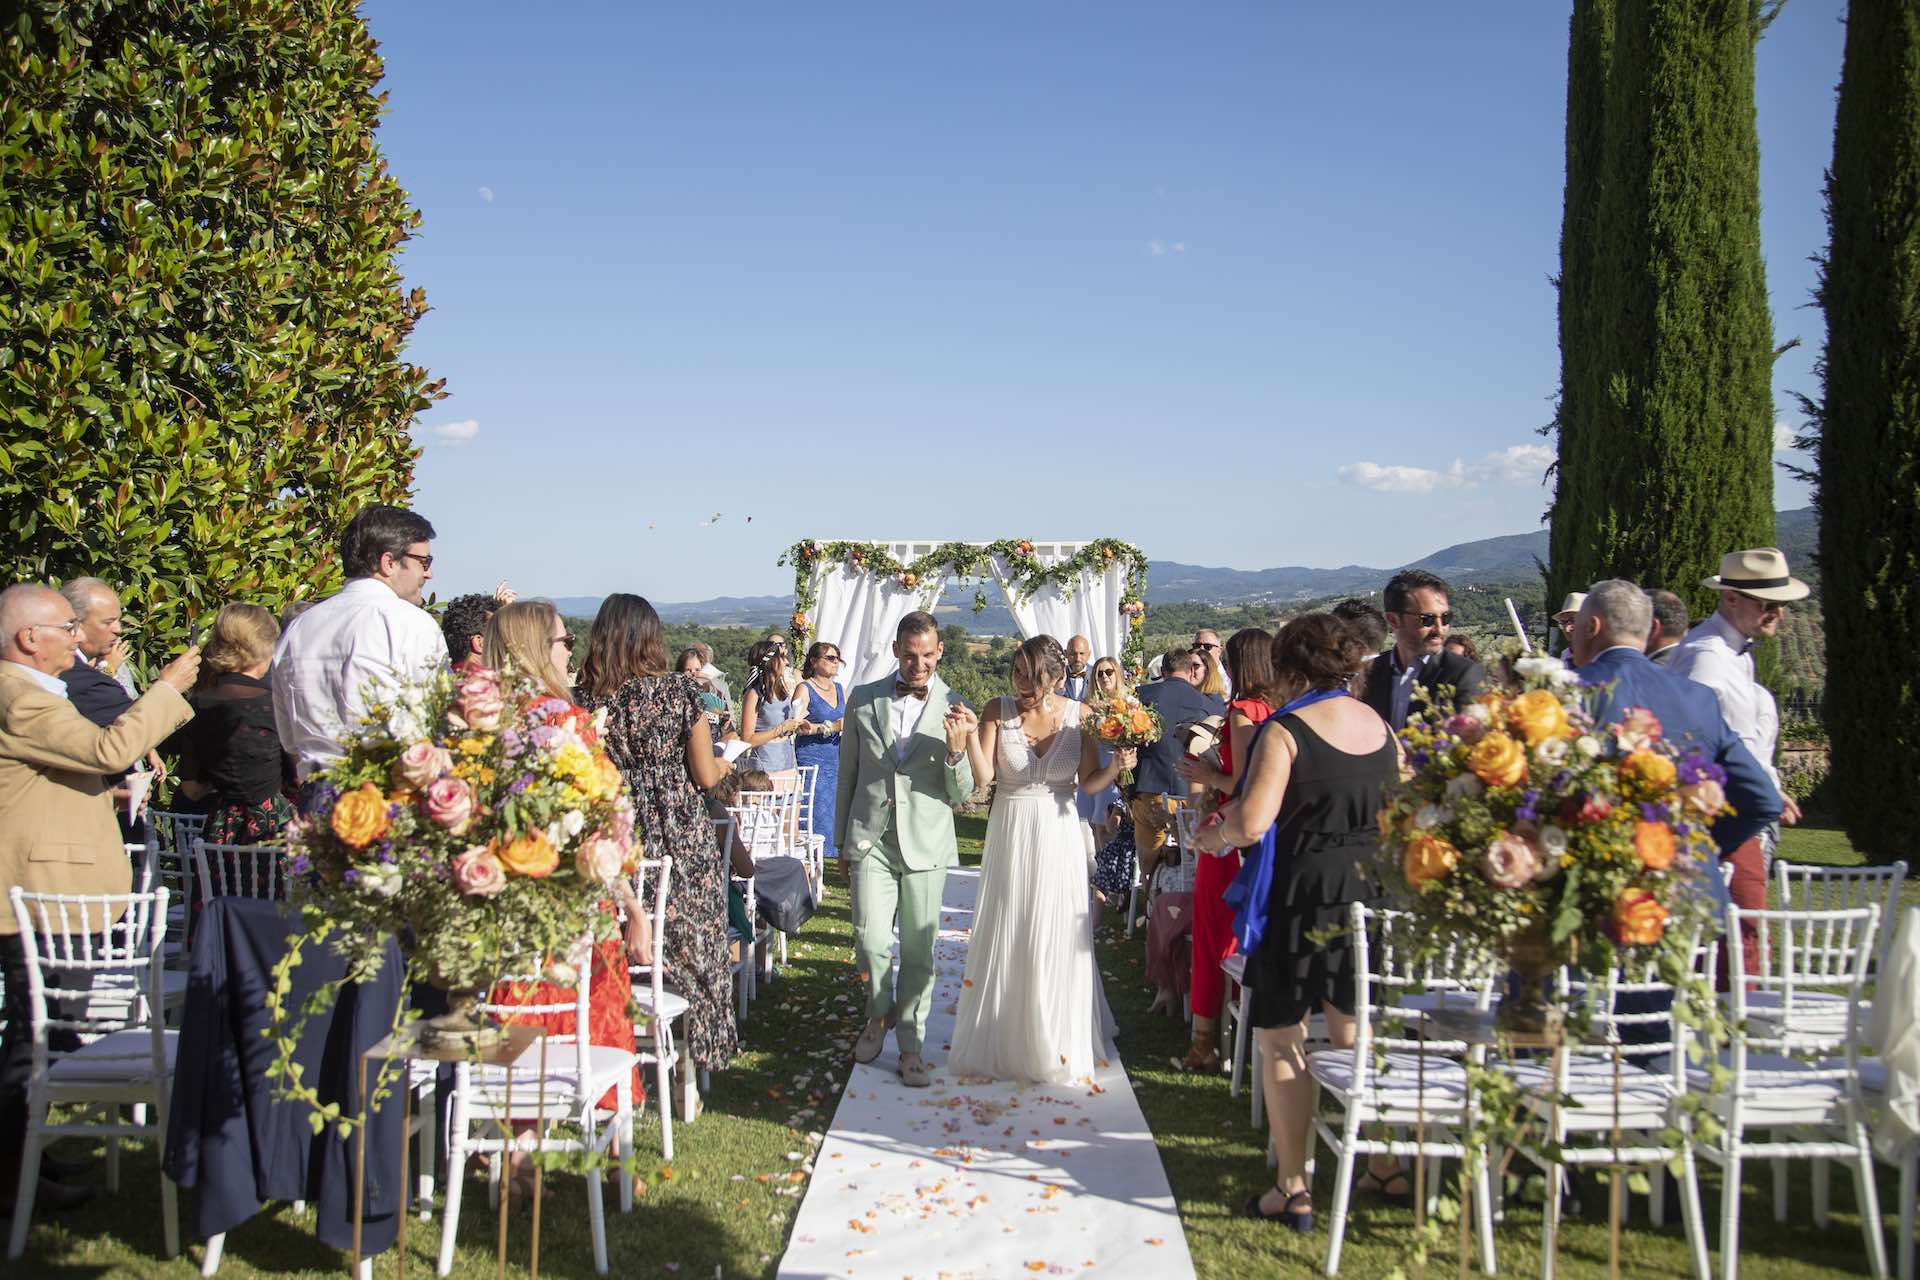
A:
(769, 718)
(825, 708)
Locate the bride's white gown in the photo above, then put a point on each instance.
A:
(1031, 1007)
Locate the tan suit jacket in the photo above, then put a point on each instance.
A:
(58, 833)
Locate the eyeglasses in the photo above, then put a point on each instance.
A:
(829, 657)
(426, 562)
(565, 639)
(1208, 647)
(1765, 606)
(1429, 619)
(71, 626)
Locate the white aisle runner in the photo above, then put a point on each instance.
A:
(984, 1179)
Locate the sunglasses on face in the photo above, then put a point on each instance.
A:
(426, 562)
(566, 640)
(1429, 619)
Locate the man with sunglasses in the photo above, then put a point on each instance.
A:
(1754, 588)
(1420, 615)
(372, 633)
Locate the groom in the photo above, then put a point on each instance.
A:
(903, 766)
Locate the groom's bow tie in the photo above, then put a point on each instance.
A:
(901, 689)
(1748, 647)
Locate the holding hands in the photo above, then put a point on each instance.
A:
(960, 725)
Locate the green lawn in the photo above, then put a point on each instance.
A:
(731, 1197)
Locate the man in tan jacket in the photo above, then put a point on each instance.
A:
(58, 833)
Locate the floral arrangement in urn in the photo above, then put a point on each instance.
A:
(481, 822)
(1529, 833)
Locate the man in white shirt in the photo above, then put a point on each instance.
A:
(373, 632)
(1754, 590)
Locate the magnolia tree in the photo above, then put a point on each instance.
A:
(201, 317)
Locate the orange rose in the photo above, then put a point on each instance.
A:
(532, 856)
(1653, 841)
(1111, 728)
(360, 817)
(1496, 705)
(1648, 773)
(1141, 720)
(1638, 917)
(1499, 760)
(1427, 859)
(800, 621)
(1539, 716)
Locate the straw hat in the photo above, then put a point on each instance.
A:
(1570, 608)
(1761, 573)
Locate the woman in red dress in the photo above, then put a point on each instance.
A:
(1249, 664)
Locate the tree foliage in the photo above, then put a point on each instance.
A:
(1665, 420)
(201, 317)
(1867, 429)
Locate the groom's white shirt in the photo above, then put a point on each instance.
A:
(906, 720)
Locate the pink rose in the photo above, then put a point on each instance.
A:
(450, 804)
(419, 765)
(1468, 728)
(1637, 730)
(1705, 798)
(600, 860)
(478, 873)
(1510, 862)
(480, 702)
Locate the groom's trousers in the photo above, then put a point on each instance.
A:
(883, 889)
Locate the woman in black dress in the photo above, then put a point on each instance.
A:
(1315, 775)
(230, 759)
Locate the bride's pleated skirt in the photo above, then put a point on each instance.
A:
(1031, 1007)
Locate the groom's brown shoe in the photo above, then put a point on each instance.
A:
(914, 1072)
(873, 1038)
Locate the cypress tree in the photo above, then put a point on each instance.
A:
(201, 316)
(1868, 429)
(1669, 461)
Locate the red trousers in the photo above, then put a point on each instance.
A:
(1748, 889)
(1213, 939)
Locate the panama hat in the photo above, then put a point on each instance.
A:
(1570, 607)
(1761, 573)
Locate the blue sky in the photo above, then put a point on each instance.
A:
(1249, 284)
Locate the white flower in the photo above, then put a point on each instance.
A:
(1478, 711)
(572, 822)
(383, 883)
(1553, 841)
(1552, 752)
(1587, 747)
(1561, 677)
(1539, 667)
(554, 837)
(1465, 787)
(559, 971)
(1428, 816)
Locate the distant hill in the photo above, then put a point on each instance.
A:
(1512, 558)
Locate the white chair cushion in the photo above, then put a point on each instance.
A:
(1771, 1077)
(118, 1057)
(1398, 1084)
(671, 1005)
(1645, 1097)
(1873, 1072)
(1432, 1001)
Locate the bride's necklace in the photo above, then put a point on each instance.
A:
(1043, 714)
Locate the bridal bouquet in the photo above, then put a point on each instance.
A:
(1120, 721)
(1529, 833)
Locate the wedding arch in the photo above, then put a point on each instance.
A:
(853, 594)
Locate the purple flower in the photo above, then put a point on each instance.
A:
(520, 784)
(1694, 767)
(1526, 811)
(510, 742)
(543, 737)
(351, 876)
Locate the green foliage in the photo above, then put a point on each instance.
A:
(1665, 416)
(201, 318)
(1866, 436)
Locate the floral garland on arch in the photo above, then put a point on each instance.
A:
(973, 562)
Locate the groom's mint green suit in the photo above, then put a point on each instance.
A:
(893, 818)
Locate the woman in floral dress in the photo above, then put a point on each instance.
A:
(656, 731)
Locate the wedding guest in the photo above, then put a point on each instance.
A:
(93, 689)
(719, 714)
(54, 766)
(1755, 588)
(230, 758)
(1420, 616)
(364, 638)
(1249, 655)
(463, 623)
(1315, 775)
(529, 641)
(769, 720)
(823, 707)
(1157, 783)
(1370, 625)
(714, 675)
(1103, 681)
(292, 611)
(1074, 683)
(103, 644)
(1463, 646)
(1215, 682)
(656, 731)
(723, 795)
(1670, 624)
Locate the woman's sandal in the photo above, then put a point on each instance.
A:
(1374, 1184)
(1300, 1220)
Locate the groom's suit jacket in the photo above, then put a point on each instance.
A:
(879, 791)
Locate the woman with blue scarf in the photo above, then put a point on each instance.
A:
(1305, 815)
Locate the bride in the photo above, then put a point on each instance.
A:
(1031, 1006)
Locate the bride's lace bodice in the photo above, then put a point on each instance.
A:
(1018, 771)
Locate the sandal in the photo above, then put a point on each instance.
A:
(1383, 1186)
(1203, 1054)
(1300, 1220)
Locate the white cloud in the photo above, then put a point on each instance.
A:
(1160, 248)
(1783, 434)
(1516, 464)
(453, 434)
(486, 195)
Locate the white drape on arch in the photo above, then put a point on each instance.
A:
(858, 611)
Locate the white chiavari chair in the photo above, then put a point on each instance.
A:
(652, 881)
(240, 870)
(170, 840)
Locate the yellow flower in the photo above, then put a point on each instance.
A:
(1539, 716)
(474, 746)
(1649, 772)
(606, 778)
(532, 855)
(1499, 760)
(486, 775)
(360, 817)
(572, 761)
(1427, 859)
